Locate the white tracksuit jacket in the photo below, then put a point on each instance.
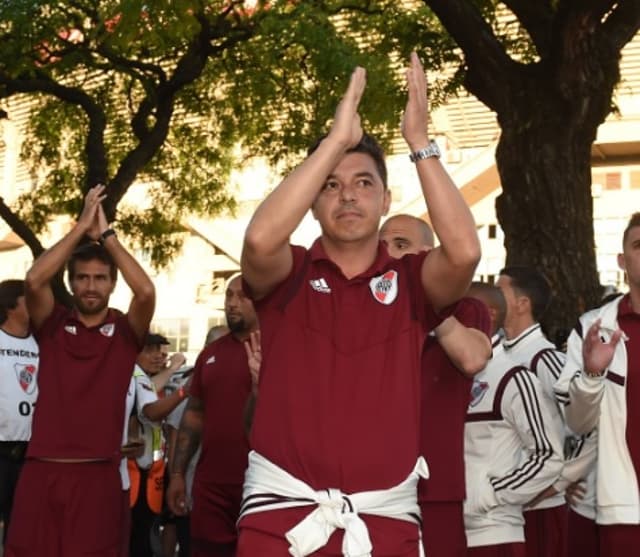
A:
(510, 455)
(601, 402)
(534, 351)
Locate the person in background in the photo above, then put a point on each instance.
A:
(456, 350)
(18, 391)
(213, 419)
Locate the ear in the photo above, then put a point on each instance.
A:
(523, 303)
(621, 262)
(386, 202)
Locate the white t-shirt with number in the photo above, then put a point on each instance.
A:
(18, 386)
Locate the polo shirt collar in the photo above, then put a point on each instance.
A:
(379, 265)
(109, 318)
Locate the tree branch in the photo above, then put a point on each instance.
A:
(622, 24)
(537, 18)
(486, 58)
(94, 147)
(21, 229)
(16, 224)
(188, 69)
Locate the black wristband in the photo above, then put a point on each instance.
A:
(108, 232)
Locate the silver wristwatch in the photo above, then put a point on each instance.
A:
(431, 150)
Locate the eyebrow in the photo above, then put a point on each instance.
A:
(363, 174)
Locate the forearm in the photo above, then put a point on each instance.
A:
(449, 214)
(189, 436)
(249, 410)
(281, 212)
(132, 272)
(468, 349)
(52, 260)
(585, 395)
(160, 409)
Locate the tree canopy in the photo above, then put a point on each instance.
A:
(166, 92)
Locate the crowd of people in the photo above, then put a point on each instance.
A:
(366, 397)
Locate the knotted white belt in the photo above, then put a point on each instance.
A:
(269, 487)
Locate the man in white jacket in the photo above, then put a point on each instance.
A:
(528, 295)
(511, 454)
(601, 385)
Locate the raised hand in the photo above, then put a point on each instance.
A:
(416, 114)
(254, 358)
(346, 127)
(596, 353)
(88, 218)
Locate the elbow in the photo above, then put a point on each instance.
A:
(473, 365)
(255, 240)
(476, 357)
(146, 293)
(33, 280)
(151, 413)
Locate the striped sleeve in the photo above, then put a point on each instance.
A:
(526, 409)
(547, 365)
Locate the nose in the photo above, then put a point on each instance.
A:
(347, 193)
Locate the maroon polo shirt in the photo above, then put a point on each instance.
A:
(82, 381)
(221, 380)
(629, 322)
(339, 403)
(445, 399)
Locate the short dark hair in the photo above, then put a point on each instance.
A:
(10, 291)
(492, 297)
(367, 145)
(633, 222)
(533, 284)
(155, 339)
(90, 252)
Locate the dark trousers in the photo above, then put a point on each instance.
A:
(142, 518)
(10, 467)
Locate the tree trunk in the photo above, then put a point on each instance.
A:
(546, 207)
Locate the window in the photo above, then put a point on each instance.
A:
(613, 181)
(634, 179)
(176, 331)
(493, 231)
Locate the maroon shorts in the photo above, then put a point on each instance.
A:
(213, 519)
(617, 540)
(443, 528)
(500, 550)
(545, 532)
(263, 534)
(583, 538)
(66, 510)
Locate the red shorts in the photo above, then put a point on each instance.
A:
(67, 510)
(213, 518)
(501, 550)
(617, 540)
(263, 534)
(443, 528)
(583, 537)
(545, 532)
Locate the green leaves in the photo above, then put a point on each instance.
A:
(139, 105)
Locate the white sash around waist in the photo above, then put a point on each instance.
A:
(269, 487)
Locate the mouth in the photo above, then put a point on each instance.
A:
(349, 214)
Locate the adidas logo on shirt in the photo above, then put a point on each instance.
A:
(320, 285)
